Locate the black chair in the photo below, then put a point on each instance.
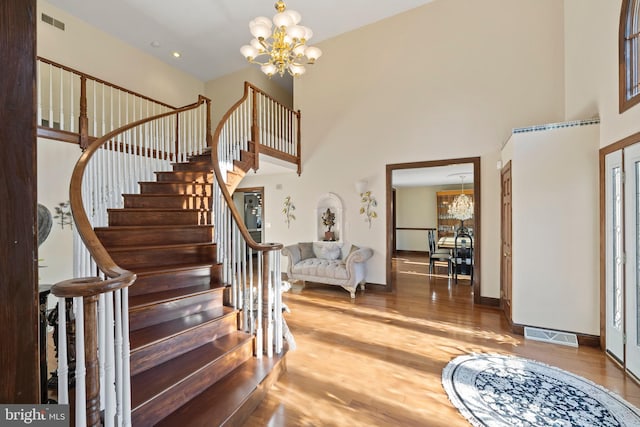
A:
(436, 254)
(462, 259)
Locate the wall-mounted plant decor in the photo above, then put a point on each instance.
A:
(63, 214)
(368, 203)
(287, 211)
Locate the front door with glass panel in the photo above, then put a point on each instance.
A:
(622, 192)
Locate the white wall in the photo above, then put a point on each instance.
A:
(591, 56)
(226, 90)
(55, 163)
(555, 229)
(451, 84)
(94, 52)
(415, 208)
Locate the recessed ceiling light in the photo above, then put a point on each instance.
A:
(176, 54)
(155, 43)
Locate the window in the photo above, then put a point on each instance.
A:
(629, 54)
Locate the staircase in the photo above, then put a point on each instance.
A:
(190, 363)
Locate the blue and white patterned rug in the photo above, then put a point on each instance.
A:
(497, 391)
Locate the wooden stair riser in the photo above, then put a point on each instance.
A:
(164, 404)
(143, 317)
(175, 188)
(133, 258)
(158, 217)
(159, 282)
(203, 166)
(197, 158)
(114, 237)
(161, 351)
(184, 176)
(167, 201)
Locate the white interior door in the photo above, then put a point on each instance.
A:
(632, 246)
(614, 255)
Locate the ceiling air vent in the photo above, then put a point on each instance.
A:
(52, 21)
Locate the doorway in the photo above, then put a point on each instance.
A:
(392, 240)
(250, 204)
(621, 285)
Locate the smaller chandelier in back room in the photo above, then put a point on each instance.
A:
(280, 45)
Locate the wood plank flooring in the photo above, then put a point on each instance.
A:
(377, 361)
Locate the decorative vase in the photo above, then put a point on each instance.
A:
(329, 236)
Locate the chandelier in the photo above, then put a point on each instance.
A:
(462, 206)
(280, 45)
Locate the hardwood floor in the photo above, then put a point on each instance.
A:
(378, 361)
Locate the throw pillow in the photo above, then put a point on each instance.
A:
(329, 252)
(306, 250)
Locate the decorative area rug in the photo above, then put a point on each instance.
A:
(495, 390)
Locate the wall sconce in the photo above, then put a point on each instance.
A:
(361, 185)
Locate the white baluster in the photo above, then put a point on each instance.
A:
(101, 348)
(110, 398)
(39, 88)
(63, 366)
(126, 387)
(50, 96)
(119, 358)
(72, 103)
(62, 126)
(81, 394)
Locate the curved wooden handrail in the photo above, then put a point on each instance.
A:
(90, 286)
(99, 80)
(88, 235)
(262, 247)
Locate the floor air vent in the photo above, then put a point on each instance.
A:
(554, 337)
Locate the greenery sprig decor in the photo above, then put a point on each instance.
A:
(328, 219)
(287, 210)
(368, 204)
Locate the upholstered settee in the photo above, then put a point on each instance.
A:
(328, 262)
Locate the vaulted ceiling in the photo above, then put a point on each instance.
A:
(208, 33)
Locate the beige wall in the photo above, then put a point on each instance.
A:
(555, 229)
(55, 164)
(226, 90)
(427, 93)
(592, 68)
(415, 208)
(92, 51)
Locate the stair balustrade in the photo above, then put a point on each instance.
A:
(111, 166)
(76, 107)
(256, 123)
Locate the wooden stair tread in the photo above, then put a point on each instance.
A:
(218, 404)
(152, 247)
(152, 210)
(171, 268)
(139, 301)
(146, 336)
(148, 384)
(152, 226)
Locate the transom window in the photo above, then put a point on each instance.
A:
(629, 54)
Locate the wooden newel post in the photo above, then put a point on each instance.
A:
(255, 135)
(91, 360)
(266, 308)
(83, 120)
(209, 139)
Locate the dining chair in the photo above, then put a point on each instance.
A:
(436, 254)
(462, 255)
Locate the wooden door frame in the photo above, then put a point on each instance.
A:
(477, 299)
(18, 172)
(505, 169)
(604, 151)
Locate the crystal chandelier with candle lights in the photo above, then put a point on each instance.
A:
(462, 206)
(280, 46)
